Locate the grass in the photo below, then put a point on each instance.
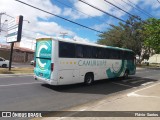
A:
(148, 66)
(16, 70)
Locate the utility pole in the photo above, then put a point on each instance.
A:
(63, 34)
(0, 20)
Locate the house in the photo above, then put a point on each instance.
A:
(20, 54)
(155, 59)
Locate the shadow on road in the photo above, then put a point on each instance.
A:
(105, 87)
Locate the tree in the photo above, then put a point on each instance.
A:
(152, 34)
(112, 37)
(124, 35)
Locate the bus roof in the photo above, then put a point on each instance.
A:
(83, 43)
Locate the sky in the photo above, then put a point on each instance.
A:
(42, 24)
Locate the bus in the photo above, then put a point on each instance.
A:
(60, 61)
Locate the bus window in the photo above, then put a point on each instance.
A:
(128, 55)
(79, 51)
(95, 52)
(87, 52)
(66, 50)
(100, 52)
(119, 54)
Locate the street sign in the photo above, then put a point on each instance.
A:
(15, 30)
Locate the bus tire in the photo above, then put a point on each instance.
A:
(89, 78)
(126, 74)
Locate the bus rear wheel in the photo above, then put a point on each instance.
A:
(88, 79)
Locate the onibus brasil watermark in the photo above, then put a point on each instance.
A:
(21, 114)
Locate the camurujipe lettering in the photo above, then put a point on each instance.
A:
(45, 54)
(91, 63)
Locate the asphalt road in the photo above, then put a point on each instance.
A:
(23, 93)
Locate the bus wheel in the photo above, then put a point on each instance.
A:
(88, 79)
(126, 74)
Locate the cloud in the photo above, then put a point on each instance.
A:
(15, 9)
(81, 10)
(101, 27)
(89, 10)
(43, 23)
(153, 4)
(51, 28)
(40, 22)
(73, 14)
(86, 11)
(77, 38)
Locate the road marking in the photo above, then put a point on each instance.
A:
(137, 95)
(146, 87)
(150, 76)
(19, 84)
(137, 81)
(133, 94)
(126, 80)
(122, 84)
(147, 83)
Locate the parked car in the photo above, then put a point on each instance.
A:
(4, 63)
(32, 62)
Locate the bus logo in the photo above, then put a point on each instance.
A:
(43, 54)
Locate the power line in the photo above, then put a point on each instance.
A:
(80, 11)
(134, 7)
(104, 11)
(59, 16)
(122, 10)
(83, 13)
(141, 9)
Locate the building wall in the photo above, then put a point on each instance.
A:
(18, 56)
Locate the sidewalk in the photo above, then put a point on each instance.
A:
(143, 99)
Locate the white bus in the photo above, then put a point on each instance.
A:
(60, 61)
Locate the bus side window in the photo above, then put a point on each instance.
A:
(107, 54)
(66, 50)
(79, 51)
(87, 51)
(112, 54)
(120, 54)
(124, 55)
(128, 55)
(94, 52)
(101, 53)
